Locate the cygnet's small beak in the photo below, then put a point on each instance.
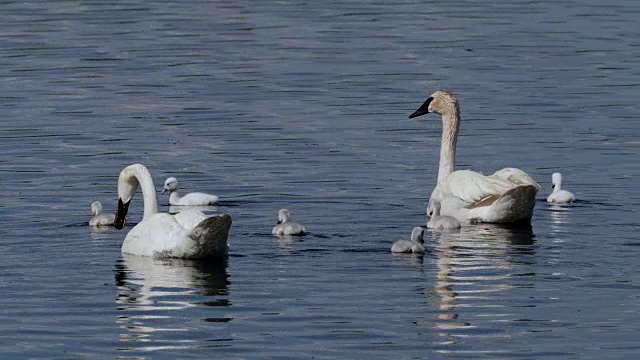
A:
(164, 191)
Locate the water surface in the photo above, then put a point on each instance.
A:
(304, 105)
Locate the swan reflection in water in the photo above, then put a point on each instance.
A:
(474, 269)
(159, 297)
(559, 220)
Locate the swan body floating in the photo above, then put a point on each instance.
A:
(100, 218)
(507, 196)
(415, 245)
(559, 196)
(440, 222)
(187, 234)
(191, 199)
(286, 226)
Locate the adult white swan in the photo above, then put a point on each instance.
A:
(507, 196)
(187, 234)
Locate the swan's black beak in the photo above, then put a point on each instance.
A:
(553, 186)
(278, 222)
(423, 109)
(121, 213)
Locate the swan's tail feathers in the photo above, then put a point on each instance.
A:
(515, 205)
(211, 234)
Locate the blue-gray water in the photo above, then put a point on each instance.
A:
(304, 105)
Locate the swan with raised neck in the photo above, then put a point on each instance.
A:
(507, 196)
(558, 195)
(446, 105)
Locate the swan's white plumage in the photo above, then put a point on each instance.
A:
(558, 195)
(440, 222)
(190, 199)
(100, 218)
(188, 234)
(286, 226)
(506, 196)
(414, 245)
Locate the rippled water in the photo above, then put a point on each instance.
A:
(304, 105)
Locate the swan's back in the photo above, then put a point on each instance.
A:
(289, 228)
(506, 196)
(193, 199)
(407, 246)
(561, 197)
(163, 235)
(414, 245)
(102, 219)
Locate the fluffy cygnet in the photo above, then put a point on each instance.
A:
(415, 245)
(191, 199)
(559, 196)
(286, 226)
(99, 218)
(437, 221)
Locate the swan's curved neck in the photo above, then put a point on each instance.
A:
(145, 181)
(450, 127)
(174, 196)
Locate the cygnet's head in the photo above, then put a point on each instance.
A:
(171, 184)
(96, 207)
(417, 234)
(283, 216)
(434, 208)
(556, 180)
(440, 102)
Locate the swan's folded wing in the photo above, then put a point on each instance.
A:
(515, 177)
(471, 187)
(189, 218)
(211, 234)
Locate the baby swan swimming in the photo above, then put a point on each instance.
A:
(415, 245)
(100, 218)
(437, 221)
(191, 199)
(559, 196)
(286, 226)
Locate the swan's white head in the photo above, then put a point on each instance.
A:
(440, 102)
(171, 184)
(556, 180)
(128, 183)
(96, 208)
(417, 234)
(434, 208)
(283, 216)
